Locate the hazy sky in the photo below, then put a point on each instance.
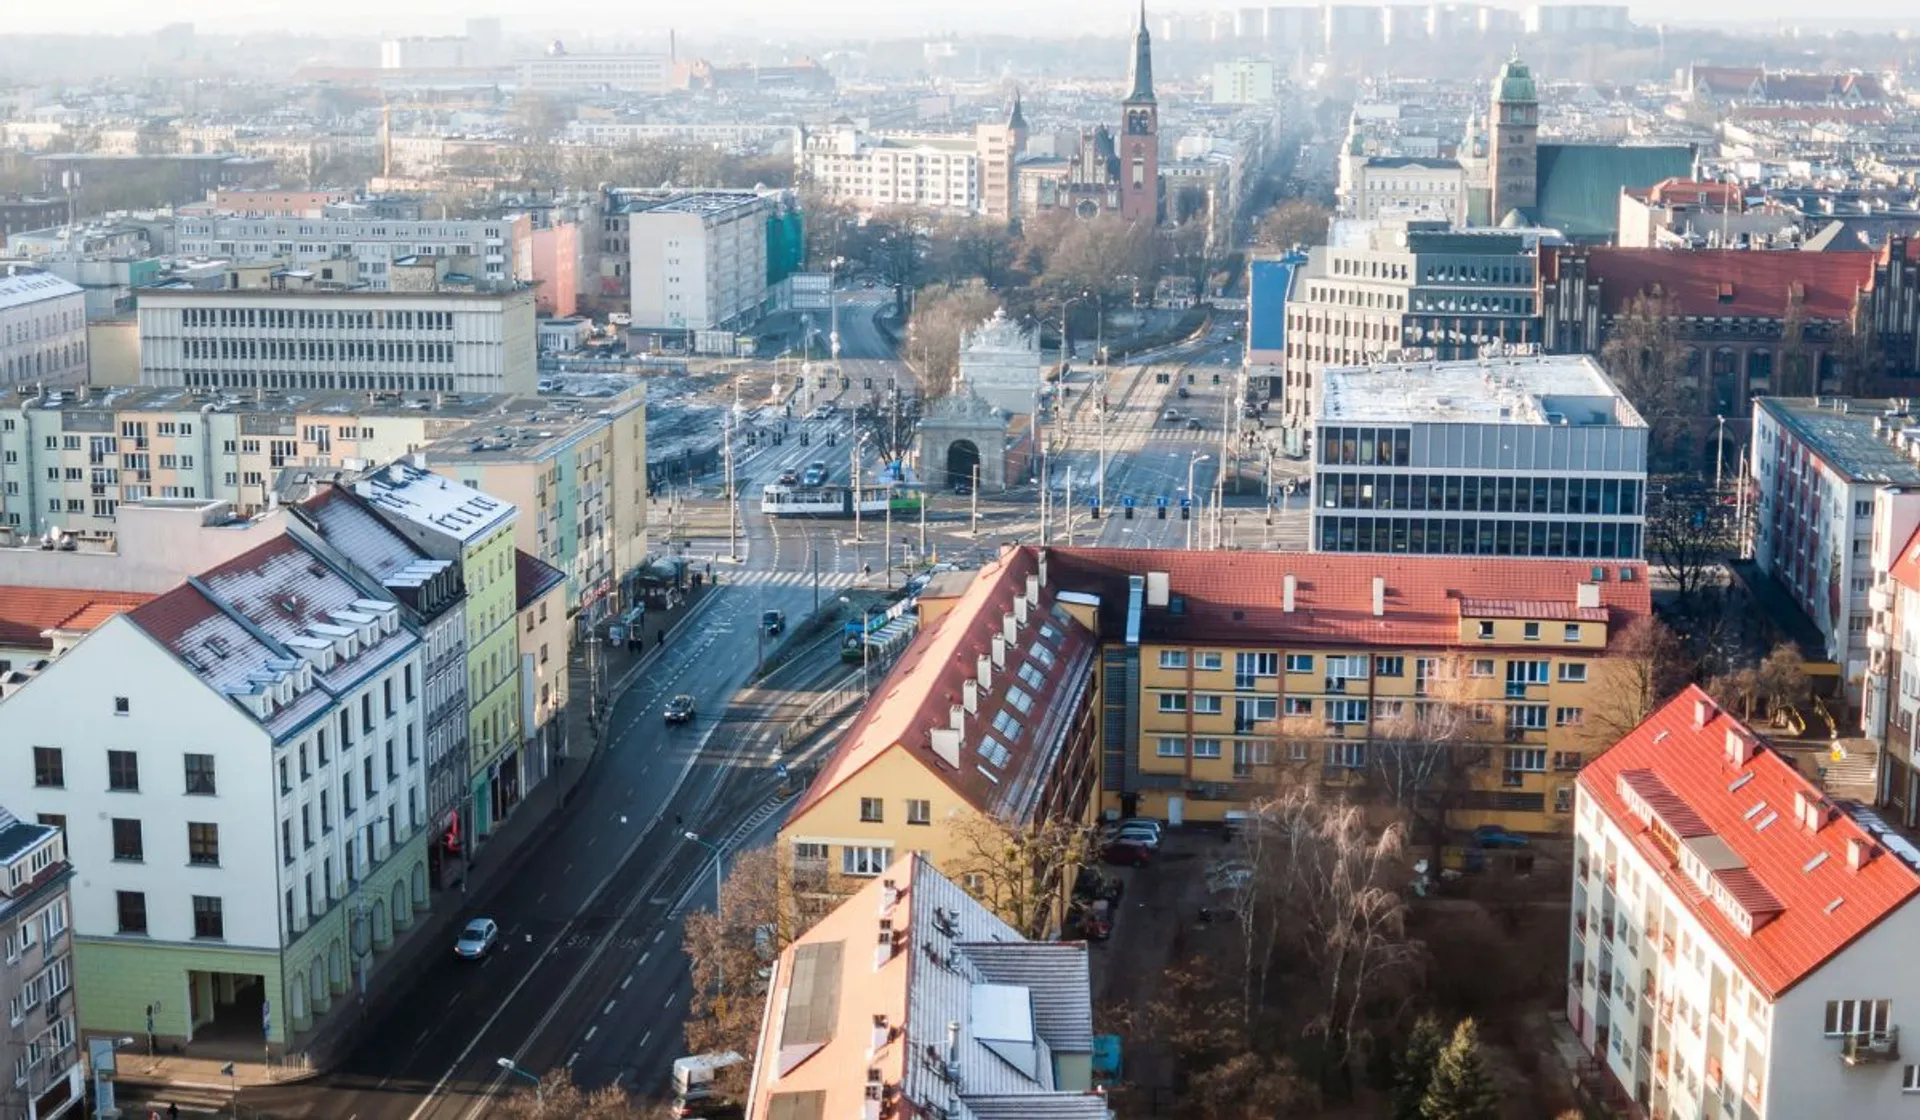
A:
(616, 18)
(626, 17)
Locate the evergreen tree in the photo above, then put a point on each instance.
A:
(1461, 1088)
(1413, 1072)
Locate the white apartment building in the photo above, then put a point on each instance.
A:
(43, 329)
(1245, 81)
(426, 52)
(1739, 944)
(449, 340)
(1407, 187)
(698, 262)
(560, 72)
(238, 767)
(1818, 465)
(490, 249)
(876, 170)
(732, 135)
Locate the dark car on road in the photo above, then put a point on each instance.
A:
(773, 622)
(1493, 836)
(789, 476)
(680, 709)
(1126, 853)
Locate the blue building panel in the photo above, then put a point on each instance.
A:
(1268, 283)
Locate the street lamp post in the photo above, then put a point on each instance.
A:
(539, 1090)
(718, 858)
(1193, 460)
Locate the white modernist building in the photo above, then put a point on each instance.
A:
(450, 340)
(43, 329)
(239, 767)
(1409, 187)
(877, 170)
(1740, 945)
(558, 72)
(366, 248)
(699, 261)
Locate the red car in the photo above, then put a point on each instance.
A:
(1125, 853)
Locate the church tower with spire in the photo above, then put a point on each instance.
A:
(1140, 134)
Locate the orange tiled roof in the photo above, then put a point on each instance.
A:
(1239, 596)
(1807, 902)
(28, 612)
(1906, 566)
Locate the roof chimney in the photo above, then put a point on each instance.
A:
(1379, 596)
(953, 1041)
(1033, 591)
(957, 718)
(970, 695)
(983, 667)
(1286, 593)
(1739, 748)
(1020, 610)
(1587, 596)
(1042, 562)
(1859, 852)
(1703, 713)
(1158, 589)
(999, 651)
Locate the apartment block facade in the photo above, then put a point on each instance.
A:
(1739, 943)
(236, 764)
(474, 530)
(293, 338)
(492, 249)
(36, 976)
(699, 261)
(1534, 456)
(878, 170)
(43, 329)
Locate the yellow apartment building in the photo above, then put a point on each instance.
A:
(989, 713)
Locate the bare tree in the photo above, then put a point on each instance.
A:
(1646, 664)
(1427, 750)
(1644, 356)
(558, 1098)
(762, 910)
(1795, 374)
(1022, 873)
(1296, 221)
(942, 317)
(1687, 537)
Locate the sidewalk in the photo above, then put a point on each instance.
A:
(191, 1078)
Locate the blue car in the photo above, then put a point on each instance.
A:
(1494, 836)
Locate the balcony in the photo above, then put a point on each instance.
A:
(1580, 925)
(1583, 866)
(1606, 929)
(1871, 1047)
(1880, 598)
(1878, 640)
(1667, 947)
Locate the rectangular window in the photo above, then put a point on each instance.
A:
(1481, 667)
(1299, 663)
(1206, 705)
(1567, 760)
(1486, 629)
(49, 768)
(127, 842)
(919, 811)
(1569, 717)
(132, 909)
(200, 773)
(123, 771)
(1346, 756)
(1527, 760)
(1172, 747)
(1389, 666)
(208, 922)
(1173, 702)
(1573, 672)
(804, 852)
(1572, 632)
(1006, 725)
(1019, 699)
(1910, 1079)
(1858, 1017)
(1207, 660)
(1346, 711)
(862, 860)
(1530, 631)
(1173, 659)
(286, 841)
(1527, 717)
(1206, 748)
(1299, 706)
(203, 844)
(872, 809)
(1030, 673)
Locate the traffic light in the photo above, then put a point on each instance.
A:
(1186, 514)
(1160, 513)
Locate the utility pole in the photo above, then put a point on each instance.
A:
(926, 499)
(1101, 413)
(853, 454)
(816, 580)
(887, 538)
(1069, 507)
(973, 520)
(733, 512)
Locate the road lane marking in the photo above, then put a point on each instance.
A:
(591, 1031)
(454, 1000)
(642, 960)
(658, 934)
(624, 983)
(671, 997)
(644, 1038)
(572, 1058)
(609, 1007)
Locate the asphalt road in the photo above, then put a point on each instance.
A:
(590, 969)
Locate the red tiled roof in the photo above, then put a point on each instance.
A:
(1674, 190)
(919, 694)
(1755, 283)
(1906, 566)
(532, 578)
(1780, 868)
(28, 612)
(1239, 596)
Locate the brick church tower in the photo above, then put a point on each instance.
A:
(1140, 135)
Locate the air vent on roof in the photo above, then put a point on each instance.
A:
(1818, 859)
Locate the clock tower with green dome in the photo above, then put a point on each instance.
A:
(1513, 159)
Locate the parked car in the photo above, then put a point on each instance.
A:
(1182, 392)
(1126, 853)
(1494, 836)
(1146, 837)
(1171, 415)
(477, 940)
(1195, 423)
(773, 622)
(680, 709)
(1138, 822)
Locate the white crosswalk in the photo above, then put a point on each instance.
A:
(794, 579)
